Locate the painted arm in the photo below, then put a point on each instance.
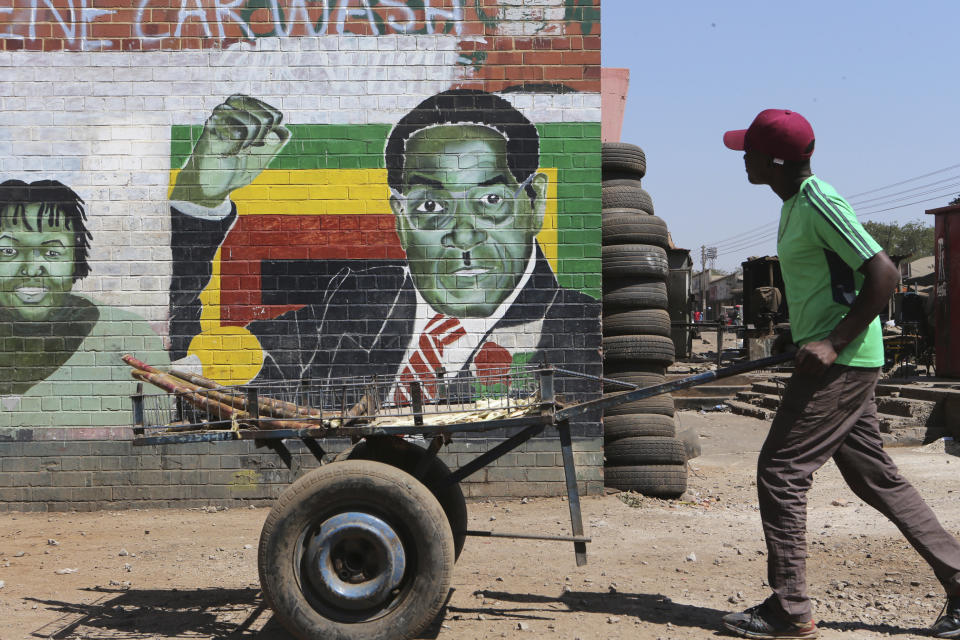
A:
(238, 141)
(881, 277)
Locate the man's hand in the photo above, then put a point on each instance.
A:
(814, 358)
(239, 140)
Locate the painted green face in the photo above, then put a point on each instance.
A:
(465, 222)
(36, 267)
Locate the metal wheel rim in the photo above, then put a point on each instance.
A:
(341, 600)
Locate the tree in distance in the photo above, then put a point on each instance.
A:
(912, 238)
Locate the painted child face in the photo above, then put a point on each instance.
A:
(465, 222)
(36, 266)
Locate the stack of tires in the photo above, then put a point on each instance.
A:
(641, 450)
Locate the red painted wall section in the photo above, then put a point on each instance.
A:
(257, 238)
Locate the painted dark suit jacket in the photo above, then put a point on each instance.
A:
(365, 321)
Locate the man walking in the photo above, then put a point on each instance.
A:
(837, 281)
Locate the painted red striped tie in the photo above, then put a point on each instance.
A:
(440, 332)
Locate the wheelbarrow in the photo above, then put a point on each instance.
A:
(363, 547)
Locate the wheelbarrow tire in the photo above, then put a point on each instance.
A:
(311, 537)
(654, 322)
(657, 480)
(634, 260)
(618, 228)
(645, 450)
(404, 455)
(634, 425)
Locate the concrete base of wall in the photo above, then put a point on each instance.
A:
(92, 474)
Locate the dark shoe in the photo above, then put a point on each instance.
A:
(762, 621)
(948, 623)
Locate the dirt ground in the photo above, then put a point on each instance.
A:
(657, 569)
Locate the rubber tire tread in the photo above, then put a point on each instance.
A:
(645, 450)
(623, 194)
(623, 156)
(623, 211)
(636, 425)
(639, 348)
(406, 457)
(634, 260)
(356, 484)
(657, 480)
(661, 404)
(634, 293)
(634, 229)
(654, 322)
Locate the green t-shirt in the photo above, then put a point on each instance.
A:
(821, 246)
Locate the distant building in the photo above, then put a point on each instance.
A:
(722, 290)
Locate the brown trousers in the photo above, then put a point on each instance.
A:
(835, 415)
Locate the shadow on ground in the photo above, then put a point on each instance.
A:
(132, 614)
(646, 607)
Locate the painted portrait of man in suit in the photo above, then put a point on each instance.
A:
(475, 292)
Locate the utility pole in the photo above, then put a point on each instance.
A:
(706, 253)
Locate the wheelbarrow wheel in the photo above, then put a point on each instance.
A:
(356, 550)
(401, 454)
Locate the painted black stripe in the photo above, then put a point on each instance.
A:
(838, 220)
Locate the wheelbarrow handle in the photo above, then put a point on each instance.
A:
(612, 400)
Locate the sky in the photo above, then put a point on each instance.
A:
(879, 82)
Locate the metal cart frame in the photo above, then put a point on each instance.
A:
(327, 552)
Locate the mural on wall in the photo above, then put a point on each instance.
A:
(59, 351)
(318, 222)
(436, 257)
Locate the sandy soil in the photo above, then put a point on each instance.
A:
(657, 569)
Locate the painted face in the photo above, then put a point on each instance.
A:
(36, 267)
(465, 222)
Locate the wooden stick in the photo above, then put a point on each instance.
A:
(221, 410)
(267, 406)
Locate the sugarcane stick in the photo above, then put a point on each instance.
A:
(203, 401)
(269, 406)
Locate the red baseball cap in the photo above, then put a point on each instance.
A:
(781, 133)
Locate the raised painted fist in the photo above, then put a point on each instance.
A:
(239, 140)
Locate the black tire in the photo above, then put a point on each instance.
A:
(639, 348)
(658, 480)
(307, 530)
(655, 322)
(630, 228)
(645, 450)
(661, 404)
(634, 260)
(636, 425)
(625, 193)
(623, 211)
(634, 293)
(404, 455)
(625, 157)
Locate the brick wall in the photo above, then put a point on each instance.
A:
(213, 187)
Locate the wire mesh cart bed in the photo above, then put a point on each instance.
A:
(363, 547)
